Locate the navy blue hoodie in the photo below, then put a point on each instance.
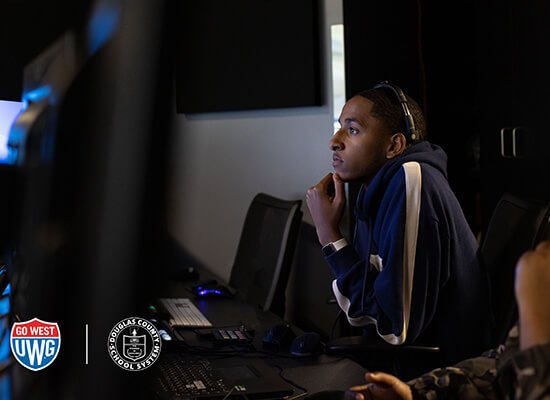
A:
(412, 272)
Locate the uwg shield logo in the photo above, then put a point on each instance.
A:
(35, 343)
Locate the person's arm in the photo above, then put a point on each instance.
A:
(471, 379)
(531, 288)
(526, 374)
(523, 374)
(380, 386)
(380, 290)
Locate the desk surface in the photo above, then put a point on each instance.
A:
(316, 373)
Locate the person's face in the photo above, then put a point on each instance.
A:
(360, 145)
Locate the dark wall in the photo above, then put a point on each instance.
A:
(513, 42)
(380, 44)
(475, 68)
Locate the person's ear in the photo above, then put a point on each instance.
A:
(397, 145)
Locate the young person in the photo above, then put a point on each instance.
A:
(411, 274)
(518, 370)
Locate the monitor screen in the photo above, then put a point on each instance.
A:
(9, 111)
(247, 55)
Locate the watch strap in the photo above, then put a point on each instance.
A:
(333, 247)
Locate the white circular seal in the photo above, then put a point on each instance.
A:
(134, 344)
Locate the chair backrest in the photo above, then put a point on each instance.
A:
(516, 226)
(266, 249)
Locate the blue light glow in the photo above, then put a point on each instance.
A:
(15, 137)
(7, 290)
(4, 306)
(209, 291)
(5, 387)
(9, 110)
(37, 94)
(102, 25)
(4, 342)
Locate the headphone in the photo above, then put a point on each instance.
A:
(409, 121)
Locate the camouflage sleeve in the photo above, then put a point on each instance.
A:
(526, 375)
(504, 373)
(469, 379)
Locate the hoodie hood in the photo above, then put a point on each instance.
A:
(423, 153)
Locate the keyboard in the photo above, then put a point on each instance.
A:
(184, 313)
(191, 379)
(185, 376)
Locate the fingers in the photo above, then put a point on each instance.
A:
(381, 377)
(327, 179)
(326, 186)
(338, 187)
(380, 383)
(371, 391)
(352, 394)
(359, 388)
(543, 246)
(322, 187)
(528, 260)
(359, 392)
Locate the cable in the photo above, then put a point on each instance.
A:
(297, 396)
(229, 393)
(287, 380)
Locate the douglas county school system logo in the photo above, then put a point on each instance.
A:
(134, 344)
(35, 343)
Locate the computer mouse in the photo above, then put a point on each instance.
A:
(278, 336)
(307, 344)
(214, 291)
(205, 284)
(328, 395)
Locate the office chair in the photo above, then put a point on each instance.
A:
(265, 252)
(516, 226)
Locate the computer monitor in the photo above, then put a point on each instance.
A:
(9, 111)
(89, 154)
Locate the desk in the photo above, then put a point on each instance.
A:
(316, 374)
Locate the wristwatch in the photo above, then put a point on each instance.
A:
(333, 247)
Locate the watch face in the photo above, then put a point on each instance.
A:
(328, 250)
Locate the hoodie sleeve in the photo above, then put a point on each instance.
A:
(380, 290)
